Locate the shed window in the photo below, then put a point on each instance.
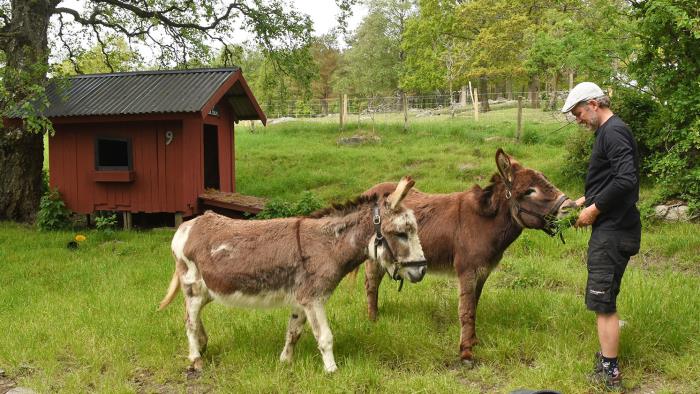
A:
(112, 154)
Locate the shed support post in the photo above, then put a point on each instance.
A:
(178, 219)
(127, 220)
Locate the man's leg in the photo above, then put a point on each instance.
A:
(608, 333)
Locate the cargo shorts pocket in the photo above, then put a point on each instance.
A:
(599, 287)
(601, 274)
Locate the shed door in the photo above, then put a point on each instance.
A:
(211, 157)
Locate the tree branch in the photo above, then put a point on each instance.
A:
(163, 17)
(103, 46)
(92, 20)
(71, 55)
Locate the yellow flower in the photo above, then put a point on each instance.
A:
(80, 238)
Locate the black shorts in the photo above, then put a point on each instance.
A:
(608, 254)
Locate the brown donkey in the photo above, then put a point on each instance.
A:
(292, 261)
(469, 231)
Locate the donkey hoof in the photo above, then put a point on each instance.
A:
(468, 363)
(197, 364)
(285, 358)
(331, 369)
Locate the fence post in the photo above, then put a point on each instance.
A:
(463, 97)
(343, 110)
(475, 98)
(571, 80)
(404, 102)
(519, 128)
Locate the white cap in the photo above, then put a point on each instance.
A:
(581, 92)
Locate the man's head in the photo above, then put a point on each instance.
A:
(589, 104)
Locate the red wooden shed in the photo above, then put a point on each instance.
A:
(151, 141)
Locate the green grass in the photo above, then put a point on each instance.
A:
(85, 320)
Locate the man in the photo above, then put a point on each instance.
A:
(611, 192)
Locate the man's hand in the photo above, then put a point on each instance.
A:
(587, 216)
(581, 200)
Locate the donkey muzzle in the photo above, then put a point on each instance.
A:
(415, 270)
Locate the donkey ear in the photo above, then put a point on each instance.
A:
(505, 167)
(402, 189)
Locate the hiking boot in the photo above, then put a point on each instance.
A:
(598, 364)
(598, 373)
(613, 380)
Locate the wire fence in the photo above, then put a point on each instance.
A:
(396, 108)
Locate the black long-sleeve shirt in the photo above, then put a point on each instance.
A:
(612, 182)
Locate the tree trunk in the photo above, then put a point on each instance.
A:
(22, 151)
(552, 105)
(534, 92)
(483, 94)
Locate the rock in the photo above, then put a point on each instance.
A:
(674, 213)
(21, 390)
(467, 167)
(281, 120)
(359, 140)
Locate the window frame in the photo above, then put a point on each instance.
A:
(129, 153)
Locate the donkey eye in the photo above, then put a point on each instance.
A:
(530, 191)
(402, 236)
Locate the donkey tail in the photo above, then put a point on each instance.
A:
(172, 291)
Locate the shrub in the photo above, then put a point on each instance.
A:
(668, 150)
(578, 153)
(530, 137)
(278, 208)
(106, 221)
(53, 214)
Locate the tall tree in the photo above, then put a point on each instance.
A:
(175, 31)
(326, 55)
(373, 62)
(430, 47)
(590, 39)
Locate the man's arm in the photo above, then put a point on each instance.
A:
(620, 153)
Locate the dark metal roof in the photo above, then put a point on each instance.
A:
(144, 92)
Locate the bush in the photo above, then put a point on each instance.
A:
(669, 152)
(667, 64)
(578, 154)
(530, 137)
(53, 214)
(106, 221)
(278, 208)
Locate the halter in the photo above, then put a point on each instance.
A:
(380, 240)
(549, 218)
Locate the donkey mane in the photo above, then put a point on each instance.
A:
(488, 203)
(343, 209)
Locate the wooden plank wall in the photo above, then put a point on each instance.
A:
(158, 183)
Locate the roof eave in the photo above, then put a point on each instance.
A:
(225, 87)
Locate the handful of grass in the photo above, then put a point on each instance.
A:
(568, 220)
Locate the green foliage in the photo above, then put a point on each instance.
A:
(578, 154)
(279, 208)
(106, 221)
(668, 67)
(531, 137)
(372, 64)
(53, 214)
(567, 221)
(428, 44)
(113, 55)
